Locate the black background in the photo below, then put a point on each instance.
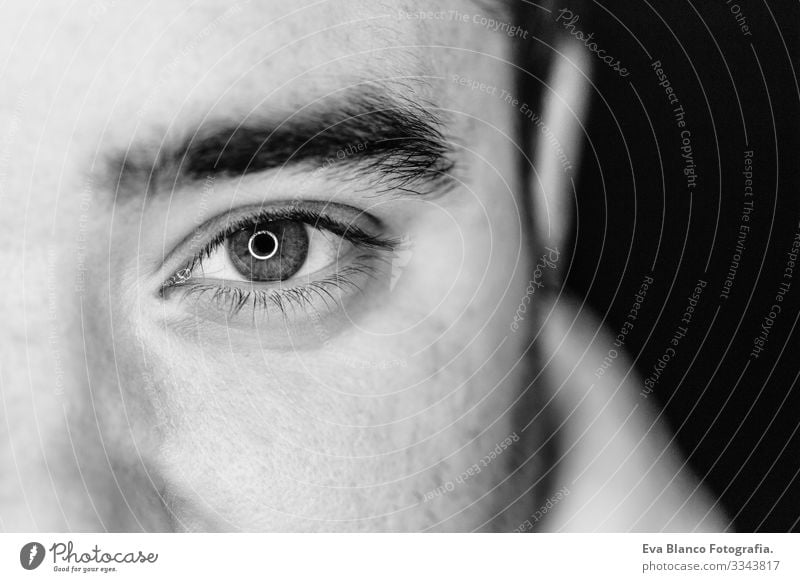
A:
(736, 417)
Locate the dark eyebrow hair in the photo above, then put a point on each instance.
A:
(394, 142)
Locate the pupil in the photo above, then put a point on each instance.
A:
(263, 245)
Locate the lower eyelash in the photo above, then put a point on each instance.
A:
(234, 299)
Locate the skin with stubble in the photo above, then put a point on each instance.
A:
(138, 396)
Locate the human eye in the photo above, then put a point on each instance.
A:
(293, 260)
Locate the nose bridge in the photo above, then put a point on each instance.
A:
(69, 462)
(66, 462)
(34, 382)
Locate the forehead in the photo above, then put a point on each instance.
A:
(171, 59)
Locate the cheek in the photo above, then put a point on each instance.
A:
(304, 441)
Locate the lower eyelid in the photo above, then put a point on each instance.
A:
(316, 297)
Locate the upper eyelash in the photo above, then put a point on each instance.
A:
(318, 220)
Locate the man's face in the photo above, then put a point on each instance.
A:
(261, 263)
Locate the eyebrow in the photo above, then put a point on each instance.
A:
(392, 141)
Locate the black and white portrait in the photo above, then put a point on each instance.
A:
(397, 266)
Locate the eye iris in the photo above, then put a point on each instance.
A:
(269, 251)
